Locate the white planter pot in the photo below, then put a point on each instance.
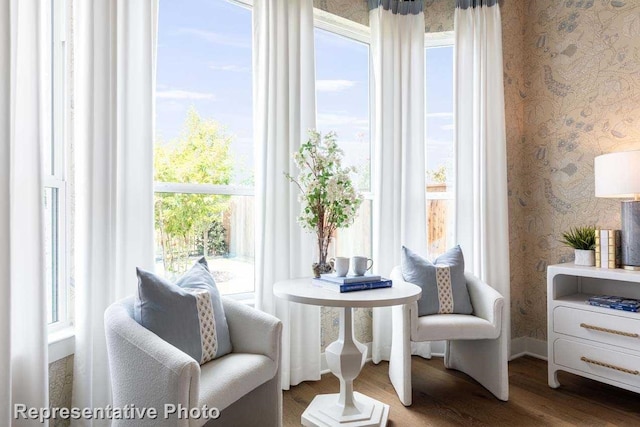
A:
(584, 257)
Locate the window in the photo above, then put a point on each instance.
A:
(342, 94)
(440, 150)
(204, 141)
(55, 172)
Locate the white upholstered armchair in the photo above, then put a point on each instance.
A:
(244, 385)
(475, 344)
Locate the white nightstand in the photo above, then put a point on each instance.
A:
(594, 342)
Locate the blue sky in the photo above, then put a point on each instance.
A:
(204, 60)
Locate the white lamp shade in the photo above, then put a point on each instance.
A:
(618, 174)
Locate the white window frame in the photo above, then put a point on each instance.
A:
(437, 40)
(213, 189)
(60, 332)
(57, 180)
(360, 33)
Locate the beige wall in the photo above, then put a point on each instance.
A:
(573, 68)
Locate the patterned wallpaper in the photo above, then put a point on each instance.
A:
(60, 383)
(580, 91)
(438, 14)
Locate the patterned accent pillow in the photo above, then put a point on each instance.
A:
(444, 288)
(188, 314)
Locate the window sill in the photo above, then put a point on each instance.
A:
(247, 298)
(62, 343)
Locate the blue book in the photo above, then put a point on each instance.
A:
(351, 287)
(614, 306)
(614, 302)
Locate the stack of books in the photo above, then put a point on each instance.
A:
(617, 303)
(608, 248)
(351, 283)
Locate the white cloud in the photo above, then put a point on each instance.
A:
(229, 67)
(329, 121)
(216, 38)
(333, 85)
(183, 94)
(439, 114)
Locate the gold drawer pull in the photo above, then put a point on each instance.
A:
(606, 365)
(609, 331)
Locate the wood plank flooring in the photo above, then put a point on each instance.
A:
(444, 397)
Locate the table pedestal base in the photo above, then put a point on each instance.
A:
(324, 411)
(345, 358)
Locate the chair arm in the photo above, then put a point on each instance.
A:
(486, 301)
(253, 331)
(146, 370)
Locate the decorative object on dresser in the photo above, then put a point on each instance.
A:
(617, 175)
(616, 303)
(589, 340)
(328, 198)
(583, 241)
(608, 248)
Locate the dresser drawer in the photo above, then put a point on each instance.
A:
(603, 328)
(601, 362)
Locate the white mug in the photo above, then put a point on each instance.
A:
(361, 264)
(341, 265)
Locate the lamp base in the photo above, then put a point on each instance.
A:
(630, 235)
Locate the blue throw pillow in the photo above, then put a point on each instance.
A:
(187, 314)
(444, 288)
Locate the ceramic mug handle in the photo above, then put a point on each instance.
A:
(370, 266)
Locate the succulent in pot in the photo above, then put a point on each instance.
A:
(583, 241)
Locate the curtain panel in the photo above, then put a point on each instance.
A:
(115, 56)
(23, 108)
(482, 223)
(399, 215)
(284, 109)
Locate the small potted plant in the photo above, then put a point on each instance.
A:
(583, 241)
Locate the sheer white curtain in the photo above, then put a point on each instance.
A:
(399, 218)
(482, 222)
(284, 97)
(115, 50)
(23, 323)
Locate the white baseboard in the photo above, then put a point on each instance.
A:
(522, 346)
(527, 346)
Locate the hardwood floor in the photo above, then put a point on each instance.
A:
(444, 397)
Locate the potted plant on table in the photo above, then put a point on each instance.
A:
(327, 196)
(583, 241)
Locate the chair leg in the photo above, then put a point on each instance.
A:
(485, 361)
(400, 358)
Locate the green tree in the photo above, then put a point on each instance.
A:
(201, 154)
(438, 176)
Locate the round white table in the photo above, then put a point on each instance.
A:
(346, 356)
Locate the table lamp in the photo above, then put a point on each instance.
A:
(617, 175)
